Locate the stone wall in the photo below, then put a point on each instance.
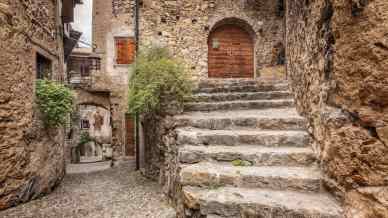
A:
(31, 157)
(160, 160)
(184, 26)
(112, 19)
(337, 62)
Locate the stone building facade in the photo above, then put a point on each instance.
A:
(337, 55)
(32, 47)
(90, 100)
(184, 28)
(187, 28)
(114, 44)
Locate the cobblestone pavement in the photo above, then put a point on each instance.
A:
(117, 192)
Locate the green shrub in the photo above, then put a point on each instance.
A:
(157, 76)
(84, 138)
(55, 102)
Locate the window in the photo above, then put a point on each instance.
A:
(125, 50)
(43, 67)
(85, 124)
(85, 69)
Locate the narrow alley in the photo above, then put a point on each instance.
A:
(110, 193)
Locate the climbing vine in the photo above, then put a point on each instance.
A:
(55, 102)
(156, 76)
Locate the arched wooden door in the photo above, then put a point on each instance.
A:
(231, 53)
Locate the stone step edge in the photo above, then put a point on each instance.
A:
(205, 94)
(210, 174)
(231, 121)
(239, 114)
(269, 138)
(245, 101)
(257, 155)
(221, 81)
(238, 105)
(243, 88)
(228, 201)
(199, 97)
(240, 131)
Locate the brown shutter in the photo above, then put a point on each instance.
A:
(125, 49)
(68, 11)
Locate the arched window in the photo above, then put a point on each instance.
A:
(230, 52)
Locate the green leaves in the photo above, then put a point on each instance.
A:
(84, 138)
(55, 102)
(157, 75)
(241, 163)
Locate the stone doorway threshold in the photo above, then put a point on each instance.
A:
(88, 167)
(92, 159)
(91, 167)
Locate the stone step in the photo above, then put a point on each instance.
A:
(214, 97)
(258, 156)
(206, 174)
(241, 86)
(212, 83)
(289, 138)
(241, 202)
(238, 105)
(271, 119)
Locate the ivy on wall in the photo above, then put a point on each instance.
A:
(55, 102)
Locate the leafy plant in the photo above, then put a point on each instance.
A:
(84, 138)
(157, 76)
(55, 102)
(241, 163)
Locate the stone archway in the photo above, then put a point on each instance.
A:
(92, 135)
(231, 50)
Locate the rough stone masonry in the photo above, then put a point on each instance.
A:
(184, 27)
(337, 53)
(337, 60)
(31, 157)
(337, 64)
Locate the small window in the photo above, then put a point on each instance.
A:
(85, 69)
(85, 124)
(125, 50)
(43, 67)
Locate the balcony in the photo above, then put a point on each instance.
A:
(84, 70)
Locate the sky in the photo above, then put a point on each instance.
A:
(83, 21)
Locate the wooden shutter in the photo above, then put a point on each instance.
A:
(125, 50)
(68, 11)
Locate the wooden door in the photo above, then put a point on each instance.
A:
(130, 136)
(230, 53)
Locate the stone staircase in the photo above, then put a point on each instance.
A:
(244, 152)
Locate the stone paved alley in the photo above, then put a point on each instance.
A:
(116, 192)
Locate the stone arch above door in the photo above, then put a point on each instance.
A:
(231, 50)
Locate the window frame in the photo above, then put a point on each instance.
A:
(85, 127)
(44, 75)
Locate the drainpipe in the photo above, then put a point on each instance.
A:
(137, 118)
(137, 16)
(285, 35)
